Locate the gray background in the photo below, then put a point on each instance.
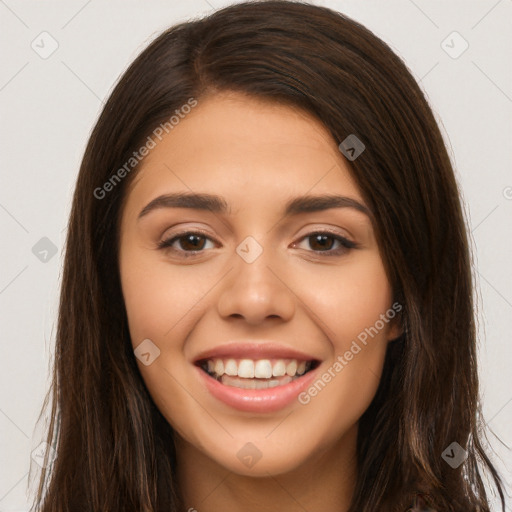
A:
(49, 105)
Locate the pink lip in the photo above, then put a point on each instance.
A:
(254, 350)
(257, 400)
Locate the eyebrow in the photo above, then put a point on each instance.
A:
(217, 204)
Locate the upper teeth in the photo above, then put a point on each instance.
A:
(260, 368)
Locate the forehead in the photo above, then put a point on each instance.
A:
(247, 150)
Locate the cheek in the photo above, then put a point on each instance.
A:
(348, 299)
(160, 303)
(158, 297)
(351, 305)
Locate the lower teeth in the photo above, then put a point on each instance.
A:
(238, 382)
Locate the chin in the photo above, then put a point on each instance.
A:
(270, 464)
(261, 457)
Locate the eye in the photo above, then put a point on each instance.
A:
(323, 242)
(190, 242)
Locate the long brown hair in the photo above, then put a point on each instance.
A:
(115, 450)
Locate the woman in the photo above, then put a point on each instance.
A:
(267, 298)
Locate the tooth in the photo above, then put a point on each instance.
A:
(239, 383)
(286, 380)
(279, 369)
(263, 369)
(291, 368)
(246, 384)
(246, 369)
(253, 383)
(231, 367)
(218, 367)
(260, 369)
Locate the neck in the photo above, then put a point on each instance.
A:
(324, 482)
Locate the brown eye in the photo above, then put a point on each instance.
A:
(191, 242)
(323, 242)
(188, 242)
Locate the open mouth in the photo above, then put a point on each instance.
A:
(256, 373)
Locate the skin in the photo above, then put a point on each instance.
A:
(256, 155)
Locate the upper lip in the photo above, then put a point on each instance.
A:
(254, 350)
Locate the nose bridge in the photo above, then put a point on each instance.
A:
(255, 258)
(253, 289)
(252, 262)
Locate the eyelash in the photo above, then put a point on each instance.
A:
(346, 245)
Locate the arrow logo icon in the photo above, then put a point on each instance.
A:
(44, 44)
(249, 455)
(146, 352)
(454, 455)
(249, 249)
(351, 147)
(44, 250)
(450, 455)
(454, 45)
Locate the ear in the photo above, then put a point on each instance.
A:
(395, 331)
(395, 328)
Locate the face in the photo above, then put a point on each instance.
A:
(284, 300)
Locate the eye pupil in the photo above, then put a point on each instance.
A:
(192, 240)
(320, 238)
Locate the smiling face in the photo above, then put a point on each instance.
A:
(253, 282)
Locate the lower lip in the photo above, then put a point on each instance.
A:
(257, 400)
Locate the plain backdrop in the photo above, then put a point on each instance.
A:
(49, 104)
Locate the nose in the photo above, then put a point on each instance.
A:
(256, 291)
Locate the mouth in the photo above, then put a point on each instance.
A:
(256, 374)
